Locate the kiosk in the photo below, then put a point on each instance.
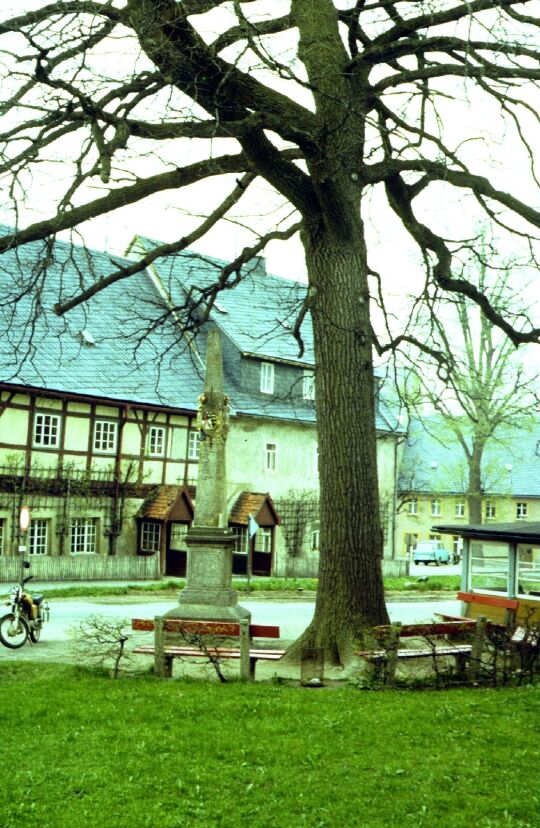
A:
(500, 575)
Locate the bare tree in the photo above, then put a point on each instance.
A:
(335, 104)
(102, 640)
(483, 389)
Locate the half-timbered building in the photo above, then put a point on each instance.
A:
(98, 407)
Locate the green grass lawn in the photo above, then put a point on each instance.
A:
(434, 583)
(82, 750)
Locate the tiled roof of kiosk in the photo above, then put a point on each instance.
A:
(159, 503)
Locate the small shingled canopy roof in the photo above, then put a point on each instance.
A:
(168, 503)
(257, 504)
(517, 532)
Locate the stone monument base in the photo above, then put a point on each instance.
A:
(208, 594)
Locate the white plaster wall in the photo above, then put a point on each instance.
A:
(296, 469)
(76, 439)
(296, 461)
(131, 439)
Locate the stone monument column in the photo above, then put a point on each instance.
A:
(208, 593)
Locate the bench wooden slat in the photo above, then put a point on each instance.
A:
(219, 652)
(225, 629)
(462, 618)
(488, 600)
(423, 630)
(455, 649)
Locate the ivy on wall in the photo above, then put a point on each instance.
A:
(298, 510)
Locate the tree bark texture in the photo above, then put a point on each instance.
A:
(350, 595)
(474, 491)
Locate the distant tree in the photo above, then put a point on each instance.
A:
(336, 106)
(481, 386)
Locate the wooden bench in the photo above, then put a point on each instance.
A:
(437, 644)
(186, 638)
(498, 609)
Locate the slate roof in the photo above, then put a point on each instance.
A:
(121, 346)
(433, 460)
(54, 354)
(258, 313)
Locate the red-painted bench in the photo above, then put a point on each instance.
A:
(437, 644)
(186, 638)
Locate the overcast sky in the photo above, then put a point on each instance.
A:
(168, 216)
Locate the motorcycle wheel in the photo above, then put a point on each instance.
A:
(35, 633)
(13, 634)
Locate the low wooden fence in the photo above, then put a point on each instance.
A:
(91, 568)
(308, 568)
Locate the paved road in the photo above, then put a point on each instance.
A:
(420, 570)
(292, 616)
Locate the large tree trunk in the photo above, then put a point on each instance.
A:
(350, 596)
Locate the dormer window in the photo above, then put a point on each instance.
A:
(308, 385)
(267, 378)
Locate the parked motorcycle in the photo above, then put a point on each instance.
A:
(26, 618)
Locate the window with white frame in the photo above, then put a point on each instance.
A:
(83, 536)
(457, 546)
(315, 539)
(315, 468)
(194, 445)
(2, 533)
(178, 536)
(412, 506)
(521, 510)
(270, 457)
(105, 432)
(263, 540)
(150, 536)
(267, 377)
(410, 542)
(308, 385)
(435, 508)
(47, 430)
(460, 509)
(491, 510)
(38, 536)
(240, 539)
(155, 441)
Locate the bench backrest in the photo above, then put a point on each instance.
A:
(499, 609)
(435, 628)
(225, 629)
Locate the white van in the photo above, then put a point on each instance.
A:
(432, 551)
